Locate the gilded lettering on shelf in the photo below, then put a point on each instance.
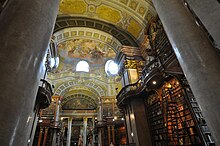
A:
(130, 64)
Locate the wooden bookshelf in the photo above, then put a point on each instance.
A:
(170, 118)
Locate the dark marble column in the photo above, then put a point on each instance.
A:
(25, 30)
(197, 57)
(128, 124)
(139, 122)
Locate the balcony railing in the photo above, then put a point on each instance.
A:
(129, 88)
(164, 55)
(137, 87)
(149, 68)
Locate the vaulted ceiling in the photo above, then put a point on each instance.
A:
(94, 31)
(124, 19)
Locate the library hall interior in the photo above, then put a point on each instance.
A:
(109, 72)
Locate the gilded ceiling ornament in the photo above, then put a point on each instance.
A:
(108, 13)
(130, 64)
(142, 10)
(91, 11)
(133, 4)
(72, 7)
(91, 8)
(124, 21)
(134, 28)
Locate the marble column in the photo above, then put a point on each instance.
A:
(25, 30)
(208, 13)
(140, 133)
(128, 124)
(113, 134)
(45, 136)
(69, 132)
(101, 137)
(100, 113)
(40, 136)
(141, 122)
(198, 58)
(109, 134)
(84, 131)
(57, 109)
(33, 131)
(99, 119)
(54, 140)
(93, 127)
(56, 119)
(133, 135)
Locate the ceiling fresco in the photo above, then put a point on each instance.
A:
(79, 102)
(83, 49)
(130, 15)
(94, 31)
(72, 51)
(75, 33)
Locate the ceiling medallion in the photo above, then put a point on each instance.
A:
(91, 8)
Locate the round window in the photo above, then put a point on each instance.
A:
(111, 68)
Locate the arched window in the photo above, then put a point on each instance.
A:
(82, 66)
(111, 68)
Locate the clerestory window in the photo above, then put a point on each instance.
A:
(111, 68)
(82, 66)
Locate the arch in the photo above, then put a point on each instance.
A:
(79, 102)
(64, 88)
(80, 90)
